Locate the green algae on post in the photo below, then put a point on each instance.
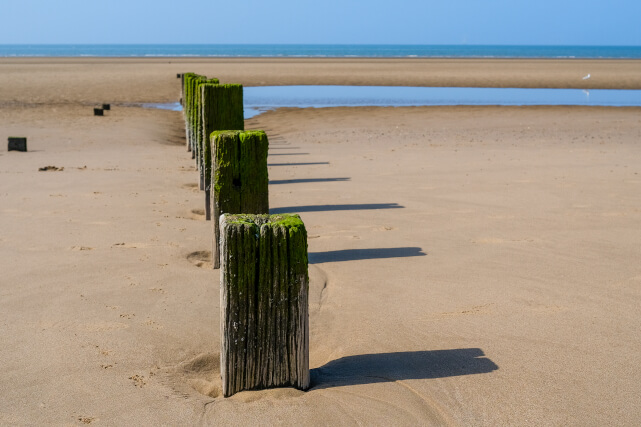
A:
(187, 80)
(191, 107)
(221, 109)
(198, 118)
(239, 181)
(264, 287)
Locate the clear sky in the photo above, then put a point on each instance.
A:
(543, 22)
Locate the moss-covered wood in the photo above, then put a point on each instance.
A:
(239, 177)
(197, 126)
(221, 109)
(186, 98)
(191, 108)
(264, 302)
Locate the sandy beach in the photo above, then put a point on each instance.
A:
(468, 265)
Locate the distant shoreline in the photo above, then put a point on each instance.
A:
(318, 51)
(154, 79)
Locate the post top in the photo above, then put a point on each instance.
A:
(289, 221)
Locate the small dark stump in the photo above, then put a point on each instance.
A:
(17, 143)
(98, 112)
(106, 107)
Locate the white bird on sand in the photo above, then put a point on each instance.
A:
(586, 77)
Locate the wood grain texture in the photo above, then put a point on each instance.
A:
(221, 109)
(264, 303)
(239, 177)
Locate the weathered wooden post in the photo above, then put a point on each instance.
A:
(182, 90)
(17, 143)
(188, 83)
(191, 107)
(239, 182)
(197, 113)
(222, 109)
(263, 303)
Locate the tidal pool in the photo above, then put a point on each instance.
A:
(264, 98)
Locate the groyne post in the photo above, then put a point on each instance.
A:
(198, 112)
(222, 109)
(186, 81)
(263, 302)
(189, 107)
(239, 181)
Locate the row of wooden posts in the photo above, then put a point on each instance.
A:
(262, 258)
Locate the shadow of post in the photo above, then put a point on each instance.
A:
(407, 365)
(326, 208)
(297, 164)
(306, 180)
(360, 254)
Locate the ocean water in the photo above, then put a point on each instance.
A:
(293, 50)
(259, 99)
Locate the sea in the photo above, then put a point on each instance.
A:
(318, 51)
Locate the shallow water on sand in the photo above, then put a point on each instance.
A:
(260, 99)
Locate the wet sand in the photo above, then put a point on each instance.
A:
(468, 265)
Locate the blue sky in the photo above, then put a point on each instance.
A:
(546, 22)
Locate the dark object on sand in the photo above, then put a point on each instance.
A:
(98, 112)
(263, 303)
(106, 107)
(178, 75)
(51, 169)
(17, 143)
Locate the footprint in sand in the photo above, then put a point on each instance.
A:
(196, 214)
(200, 259)
(138, 380)
(193, 187)
(129, 245)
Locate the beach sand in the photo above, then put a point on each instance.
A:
(468, 265)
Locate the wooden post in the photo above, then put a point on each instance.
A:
(182, 90)
(193, 114)
(222, 109)
(106, 107)
(239, 182)
(188, 80)
(17, 143)
(264, 317)
(98, 112)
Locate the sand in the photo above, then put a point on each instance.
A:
(468, 265)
